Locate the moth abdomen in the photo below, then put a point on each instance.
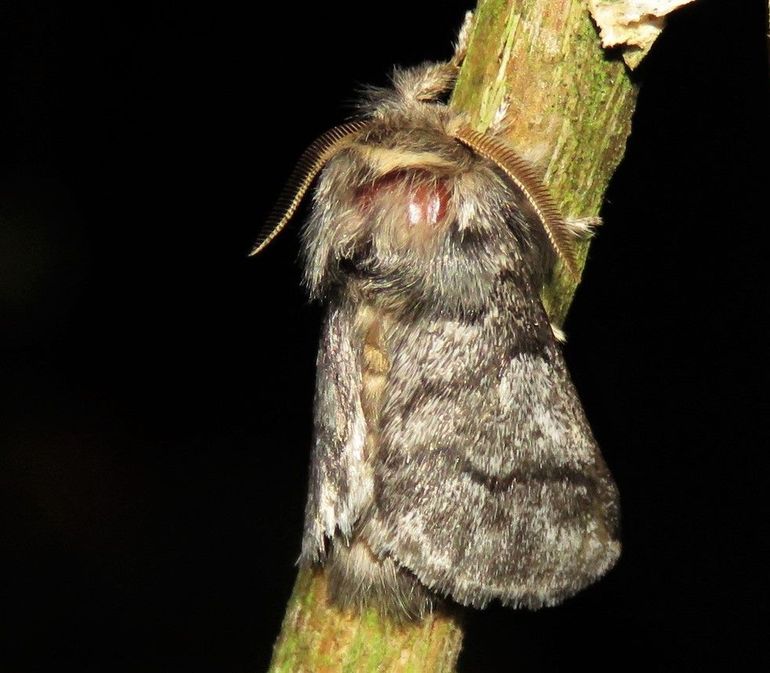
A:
(359, 579)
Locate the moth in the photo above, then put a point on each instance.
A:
(451, 457)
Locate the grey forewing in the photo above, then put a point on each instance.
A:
(489, 483)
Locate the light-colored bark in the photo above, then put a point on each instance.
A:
(632, 25)
(569, 106)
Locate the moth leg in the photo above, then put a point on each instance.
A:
(445, 74)
(559, 334)
(583, 227)
(461, 46)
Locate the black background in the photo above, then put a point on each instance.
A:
(157, 384)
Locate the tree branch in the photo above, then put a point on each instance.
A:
(316, 637)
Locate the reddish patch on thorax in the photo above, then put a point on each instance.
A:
(424, 198)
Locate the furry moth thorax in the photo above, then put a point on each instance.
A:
(409, 145)
(451, 455)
